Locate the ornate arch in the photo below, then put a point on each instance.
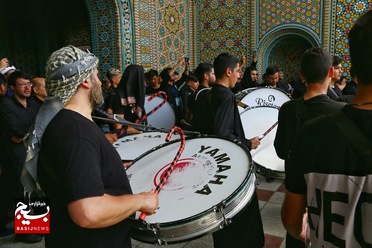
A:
(271, 39)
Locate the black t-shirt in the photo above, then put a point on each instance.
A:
(227, 122)
(200, 106)
(292, 117)
(84, 164)
(336, 180)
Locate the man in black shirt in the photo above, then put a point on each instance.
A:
(317, 71)
(199, 104)
(246, 229)
(79, 170)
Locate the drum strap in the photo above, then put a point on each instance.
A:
(302, 114)
(357, 139)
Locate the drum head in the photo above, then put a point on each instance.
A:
(264, 97)
(210, 171)
(132, 146)
(164, 117)
(256, 122)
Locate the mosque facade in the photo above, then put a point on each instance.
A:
(155, 33)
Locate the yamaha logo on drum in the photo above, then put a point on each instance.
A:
(196, 173)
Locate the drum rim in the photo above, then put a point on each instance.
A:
(251, 170)
(262, 87)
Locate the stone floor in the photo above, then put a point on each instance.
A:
(270, 195)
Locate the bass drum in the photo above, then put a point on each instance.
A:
(132, 146)
(265, 96)
(163, 117)
(212, 181)
(258, 119)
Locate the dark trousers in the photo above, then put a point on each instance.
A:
(245, 230)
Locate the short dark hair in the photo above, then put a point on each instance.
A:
(151, 73)
(18, 74)
(360, 44)
(315, 64)
(272, 69)
(336, 60)
(223, 62)
(202, 69)
(191, 77)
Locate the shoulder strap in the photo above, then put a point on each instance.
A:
(357, 139)
(301, 111)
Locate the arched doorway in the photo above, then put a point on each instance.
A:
(284, 47)
(286, 54)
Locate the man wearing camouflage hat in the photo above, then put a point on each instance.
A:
(77, 168)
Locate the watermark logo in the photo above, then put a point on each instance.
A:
(32, 217)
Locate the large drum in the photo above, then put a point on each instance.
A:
(271, 97)
(164, 117)
(257, 119)
(212, 181)
(132, 146)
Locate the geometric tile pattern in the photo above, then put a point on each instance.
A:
(222, 26)
(144, 30)
(162, 32)
(274, 13)
(347, 13)
(105, 31)
(173, 27)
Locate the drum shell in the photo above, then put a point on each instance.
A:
(262, 113)
(164, 117)
(186, 226)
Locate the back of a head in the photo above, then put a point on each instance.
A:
(165, 73)
(360, 42)
(224, 61)
(18, 74)
(65, 69)
(315, 65)
(272, 69)
(133, 73)
(202, 69)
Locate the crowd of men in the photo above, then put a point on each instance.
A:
(328, 172)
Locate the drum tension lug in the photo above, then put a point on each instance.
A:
(155, 229)
(219, 208)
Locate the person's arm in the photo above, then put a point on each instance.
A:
(180, 61)
(4, 63)
(254, 59)
(107, 210)
(293, 211)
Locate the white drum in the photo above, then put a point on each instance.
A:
(272, 97)
(256, 121)
(212, 181)
(163, 117)
(132, 146)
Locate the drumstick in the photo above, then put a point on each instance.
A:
(241, 104)
(165, 97)
(268, 131)
(169, 171)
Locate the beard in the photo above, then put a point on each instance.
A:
(96, 97)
